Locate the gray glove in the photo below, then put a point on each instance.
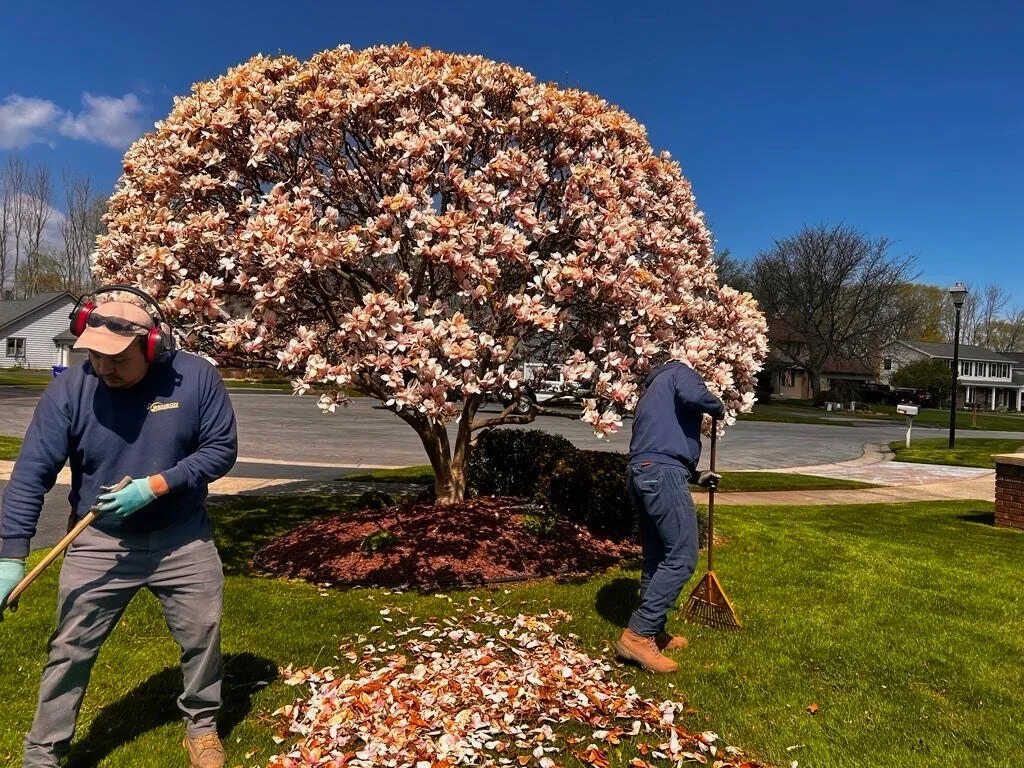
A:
(708, 479)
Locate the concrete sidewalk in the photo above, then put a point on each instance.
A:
(978, 488)
(899, 481)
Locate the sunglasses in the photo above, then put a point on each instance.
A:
(122, 327)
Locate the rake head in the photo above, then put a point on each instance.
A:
(709, 605)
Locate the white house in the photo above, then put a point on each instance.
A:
(990, 380)
(34, 333)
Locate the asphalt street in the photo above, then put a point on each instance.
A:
(281, 436)
(282, 431)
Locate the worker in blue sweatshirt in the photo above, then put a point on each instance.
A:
(664, 451)
(136, 408)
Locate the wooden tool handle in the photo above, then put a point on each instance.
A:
(53, 554)
(57, 551)
(711, 497)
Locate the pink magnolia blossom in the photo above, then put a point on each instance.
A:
(416, 225)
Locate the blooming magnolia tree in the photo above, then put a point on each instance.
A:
(415, 225)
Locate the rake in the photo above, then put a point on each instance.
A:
(58, 549)
(708, 604)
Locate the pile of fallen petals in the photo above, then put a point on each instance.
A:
(482, 690)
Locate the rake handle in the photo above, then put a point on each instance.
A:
(57, 551)
(53, 554)
(711, 496)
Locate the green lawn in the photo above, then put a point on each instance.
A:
(9, 447)
(745, 482)
(421, 474)
(731, 481)
(39, 379)
(969, 452)
(801, 413)
(901, 623)
(22, 377)
(937, 417)
(790, 414)
(33, 378)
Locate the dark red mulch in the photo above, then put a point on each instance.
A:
(473, 542)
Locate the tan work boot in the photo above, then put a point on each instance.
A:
(667, 642)
(644, 651)
(205, 751)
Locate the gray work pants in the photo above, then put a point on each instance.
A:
(100, 576)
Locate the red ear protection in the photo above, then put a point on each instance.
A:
(80, 317)
(158, 344)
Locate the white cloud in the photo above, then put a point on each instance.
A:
(108, 120)
(105, 120)
(25, 121)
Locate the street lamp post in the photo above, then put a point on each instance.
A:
(958, 293)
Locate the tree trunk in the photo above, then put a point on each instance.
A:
(815, 380)
(450, 468)
(435, 441)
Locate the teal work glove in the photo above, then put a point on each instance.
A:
(11, 573)
(127, 501)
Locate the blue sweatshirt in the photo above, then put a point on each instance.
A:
(666, 425)
(177, 421)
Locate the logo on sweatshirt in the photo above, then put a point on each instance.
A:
(157, 407)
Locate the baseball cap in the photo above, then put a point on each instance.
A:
(113, 326)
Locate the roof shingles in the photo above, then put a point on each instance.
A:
(10, 311)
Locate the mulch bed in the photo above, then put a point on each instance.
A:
(478, 541)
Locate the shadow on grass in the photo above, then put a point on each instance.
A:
(246, 523)
(982, 518)
(617, 600)
(151, 705)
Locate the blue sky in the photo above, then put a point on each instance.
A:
(902, 119)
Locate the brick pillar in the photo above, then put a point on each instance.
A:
(1010, 490)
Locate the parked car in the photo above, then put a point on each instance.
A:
(870, 392)
(919, 397)
(526, 397)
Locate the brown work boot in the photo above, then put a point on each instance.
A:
(644, 651)
(667, 642)
(205, 751)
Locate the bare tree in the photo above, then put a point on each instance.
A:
(993, 300)
(36, 212)
(15, 183)
(836, 292)
(41, 271)
(1007, 334)
(84, 221)
(5, 229)
(969, 314)
(980, 316)
(733, 272)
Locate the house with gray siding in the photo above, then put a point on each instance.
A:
(989, 380)
(34, 332)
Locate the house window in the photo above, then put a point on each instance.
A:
(16, 346)
(966, 368)
(993, 370)
(887, 364)
(1004, 371)
(787, 378)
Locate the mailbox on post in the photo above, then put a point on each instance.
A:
(910, 411)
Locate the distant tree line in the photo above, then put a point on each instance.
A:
(831, 292)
